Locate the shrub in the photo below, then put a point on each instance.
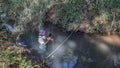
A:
(9, 58)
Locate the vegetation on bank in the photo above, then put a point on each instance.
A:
(89, 16)
(14, 56)
(12, 60)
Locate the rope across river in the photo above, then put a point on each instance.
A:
(60, 45)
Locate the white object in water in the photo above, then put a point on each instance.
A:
(3, 15)
(21, 44)
(9, 27)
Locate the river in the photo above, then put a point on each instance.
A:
(82, 50)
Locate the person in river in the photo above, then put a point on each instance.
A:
(43, 40)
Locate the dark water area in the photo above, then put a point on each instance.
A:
(80, 50)
(88, 50)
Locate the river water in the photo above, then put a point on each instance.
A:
(80, 50)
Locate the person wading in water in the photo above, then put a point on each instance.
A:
(43, 40)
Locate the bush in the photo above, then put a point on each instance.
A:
(10, 59)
